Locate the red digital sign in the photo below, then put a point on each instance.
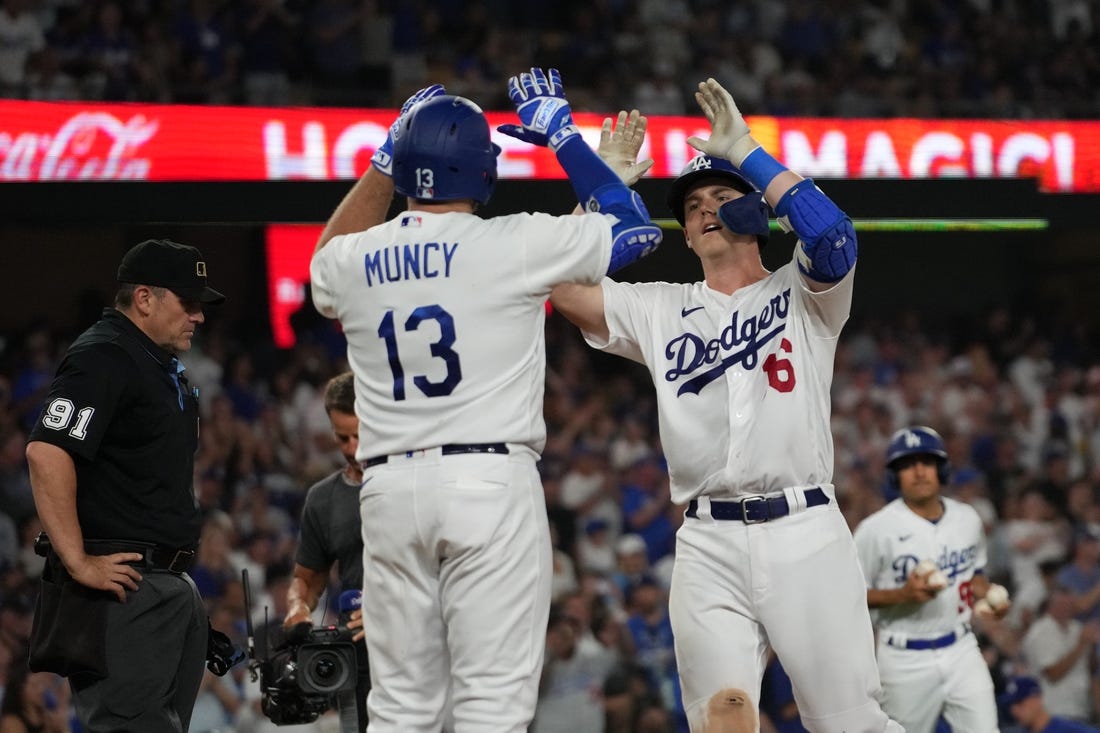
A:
(48, 141)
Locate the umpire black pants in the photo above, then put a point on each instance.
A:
(156, 652)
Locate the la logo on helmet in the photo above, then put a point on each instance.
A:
(701, 162)
(912, 440)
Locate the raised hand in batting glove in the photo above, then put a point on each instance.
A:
(542, 108)
(383, 157)
(619, 146)
(729, 138)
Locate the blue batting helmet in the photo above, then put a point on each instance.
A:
(708, 166)
(918, 440)
(442, 152)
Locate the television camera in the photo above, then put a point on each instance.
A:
(301, 675)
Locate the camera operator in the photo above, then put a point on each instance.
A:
(330, 533)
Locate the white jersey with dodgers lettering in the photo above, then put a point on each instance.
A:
(444, 314)
(929, 661)
(733, 373)
(894, 539)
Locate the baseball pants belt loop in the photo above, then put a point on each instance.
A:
(154, 557)
(451, 449)
(756, 509)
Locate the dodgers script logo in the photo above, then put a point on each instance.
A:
(953, 563)
(739, 342)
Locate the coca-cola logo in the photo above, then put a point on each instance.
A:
(87, 146)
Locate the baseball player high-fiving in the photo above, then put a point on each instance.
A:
(924, 556)
(444, 315)
(742, 365)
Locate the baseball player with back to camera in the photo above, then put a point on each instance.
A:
(742, 365)
(924, 557)
(444, 314)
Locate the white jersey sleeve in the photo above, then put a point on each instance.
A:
(742, 381)
(444, 318)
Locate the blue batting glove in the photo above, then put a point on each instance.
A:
(542, 108)
(383, 157)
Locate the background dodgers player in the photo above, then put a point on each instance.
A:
(929, 659)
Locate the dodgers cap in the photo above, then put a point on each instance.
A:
(1019, 689)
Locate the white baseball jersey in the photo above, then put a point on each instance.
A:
(919, 684)
(894, 539)
(733, 373)
(444, 316)
(742, 385)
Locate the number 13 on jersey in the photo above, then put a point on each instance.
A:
(440, 349)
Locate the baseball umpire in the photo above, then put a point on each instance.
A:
(111, 464)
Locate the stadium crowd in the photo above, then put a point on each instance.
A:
(1017, 400)
(888, 58)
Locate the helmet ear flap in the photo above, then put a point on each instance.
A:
(891, 489)
(943, 473)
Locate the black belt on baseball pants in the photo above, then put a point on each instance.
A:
(755, 509)
(154, 557)
(451, 449)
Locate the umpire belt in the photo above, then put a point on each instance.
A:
(756, 509)
(154, 557)
(902, 641)
(451, 449)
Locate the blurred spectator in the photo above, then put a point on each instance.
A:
(334, 35)
(1081, 576)
(632, 566)
(1034, 534)
(32, 379)
(108, 52)
(1058, 649)
(21, 38)
(588, 488)
(34, 701)
(213, 570)
(645, 502)
(564, 579)
(206, 70)
(15, 484)
(651, 632)
(47, 81)
(573, 676)
(267, 30)
(16, 614)
(595, 550)
(220, 698)
(1023, 700)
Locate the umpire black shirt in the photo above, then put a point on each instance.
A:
(132, 433)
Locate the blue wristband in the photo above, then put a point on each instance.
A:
(586, 170)
(760, 168)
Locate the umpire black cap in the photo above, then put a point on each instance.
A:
(698, 168)
(167, 264)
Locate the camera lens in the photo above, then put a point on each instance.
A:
(325, 668)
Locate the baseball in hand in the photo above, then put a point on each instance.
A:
(983, 609)
(996, 597)
(925, 567)
(936, 579)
